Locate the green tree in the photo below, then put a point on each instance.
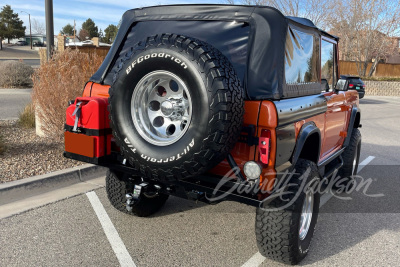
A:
(110, 34)
(91, 28)
(67, 30)
(10, 24)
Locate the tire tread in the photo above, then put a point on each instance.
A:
(226, 106)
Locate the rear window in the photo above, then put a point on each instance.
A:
(355, 81)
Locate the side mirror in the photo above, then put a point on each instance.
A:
(325, 85)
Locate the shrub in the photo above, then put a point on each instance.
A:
(15, 74)
(27, 117)
(2, 144)
(58, 81)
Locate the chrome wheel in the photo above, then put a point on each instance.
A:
(306, 214)
(161, 108)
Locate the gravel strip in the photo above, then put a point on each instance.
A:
(28, 154)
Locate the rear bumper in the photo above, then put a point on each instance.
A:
(207, 188)
(361, 94)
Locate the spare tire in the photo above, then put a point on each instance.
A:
(176, 107)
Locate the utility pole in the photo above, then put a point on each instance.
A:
(49, 28)
(74, 31)
(30, 27)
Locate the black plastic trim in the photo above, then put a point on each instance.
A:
(97, 161)
(306, 131)
(250, 139)
(354, 112)
(233, 165)
(285, 143)
(332, 157)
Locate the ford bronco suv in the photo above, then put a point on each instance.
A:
(220, 102)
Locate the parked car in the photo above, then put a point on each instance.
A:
(348, 82)
(38, 44)
(173, 114)
(22, 43)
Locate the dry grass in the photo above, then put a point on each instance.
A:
(15, 74)
(27, 117)
(58, 81)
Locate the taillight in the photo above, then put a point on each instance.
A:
(363, 85)
(264, 145)
(351, 85)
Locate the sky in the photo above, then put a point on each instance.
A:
(102, 12)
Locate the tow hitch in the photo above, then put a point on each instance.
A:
(132, 198)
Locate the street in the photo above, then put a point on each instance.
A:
(30, 62)
(23, 53)
(12, 102)
(362, 231)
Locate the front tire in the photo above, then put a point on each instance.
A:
(284, 234)
(117, 186)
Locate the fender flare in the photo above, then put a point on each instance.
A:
(305, 132)
(354, 111)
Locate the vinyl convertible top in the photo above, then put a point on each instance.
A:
(252, 37)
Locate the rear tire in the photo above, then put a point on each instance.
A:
(351, 158)
(117, 185)
(285, 235)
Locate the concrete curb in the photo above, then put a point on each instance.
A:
(24, 188)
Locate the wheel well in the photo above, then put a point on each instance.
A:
(311, 148)
(357, 120)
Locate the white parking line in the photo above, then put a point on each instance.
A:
(257, 258)
(113, 237)
(327, 196)
(324, 198)
(364, 163)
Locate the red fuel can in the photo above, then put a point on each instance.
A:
(87, 130)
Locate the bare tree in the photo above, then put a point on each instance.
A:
(38, 27)
(365, 28)
(83, 35)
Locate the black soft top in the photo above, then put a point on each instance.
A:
(263, 77)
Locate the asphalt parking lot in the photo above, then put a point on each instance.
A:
(363, 231)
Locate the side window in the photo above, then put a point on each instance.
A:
(301, 57)
(340, 84)
(327, 62)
